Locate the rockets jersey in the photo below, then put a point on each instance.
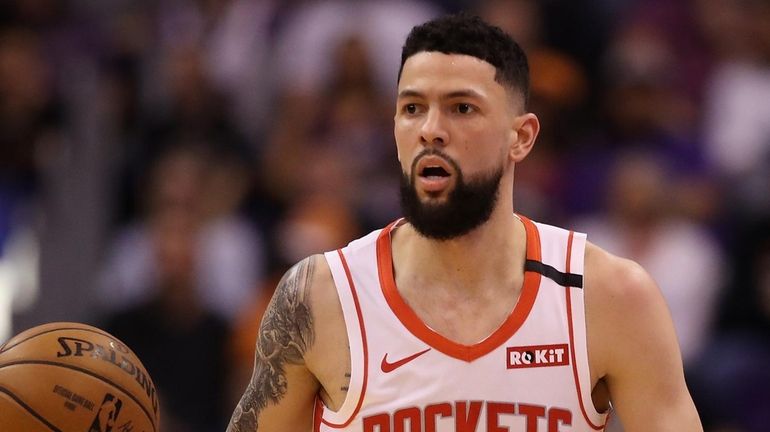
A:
(529, 375)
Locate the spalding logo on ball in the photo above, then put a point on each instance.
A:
(70, 377)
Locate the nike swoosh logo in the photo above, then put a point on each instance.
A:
(388, 367)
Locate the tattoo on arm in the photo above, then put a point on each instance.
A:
(285, 335)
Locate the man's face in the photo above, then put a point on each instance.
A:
(453, 127)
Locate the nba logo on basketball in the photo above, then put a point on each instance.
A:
(107, 415)
(537, 356)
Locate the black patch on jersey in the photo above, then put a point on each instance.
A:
(563, 279)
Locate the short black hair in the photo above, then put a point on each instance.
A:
(467, 34)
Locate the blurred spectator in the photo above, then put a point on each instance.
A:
(737, 111)
(190, 107)
(228, 256)
(644, 106)
(30, 119)
(339, 138)
(29, 113)
(731, 382)
(231, 248)
(681, 256)
(181, 344)
(558, 94)
(306, 44)
(522, 19)
(234, 38)
(19, 280)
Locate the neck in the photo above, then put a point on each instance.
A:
(491, 253)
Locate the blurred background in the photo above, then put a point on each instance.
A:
(163, 162)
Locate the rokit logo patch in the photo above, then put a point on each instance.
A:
(537, 356)
(108, 414)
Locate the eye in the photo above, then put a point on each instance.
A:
(464, 108)
(410, 108)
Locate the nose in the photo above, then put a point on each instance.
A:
(433, 130)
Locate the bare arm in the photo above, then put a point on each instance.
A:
(633, 344)
(282, 391)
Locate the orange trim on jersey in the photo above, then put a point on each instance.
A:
(318, 414)
(572, 340)
(533, 240)
(365, 348)
(417, 327)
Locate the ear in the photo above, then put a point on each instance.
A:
(525, 130)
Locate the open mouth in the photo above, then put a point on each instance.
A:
(434, 171)
(434, 174)
(433, 166)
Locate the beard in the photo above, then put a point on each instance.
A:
(469, 204)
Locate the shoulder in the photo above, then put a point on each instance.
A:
(308, 283)
(308, 296)
(616, 280)
(624, 306)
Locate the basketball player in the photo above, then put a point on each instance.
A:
(464, 316)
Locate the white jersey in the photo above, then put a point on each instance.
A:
(529, 375)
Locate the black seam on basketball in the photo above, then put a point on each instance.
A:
(105, 334)
(87, 372)
(29, 409)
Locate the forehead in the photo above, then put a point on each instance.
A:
(427, 71)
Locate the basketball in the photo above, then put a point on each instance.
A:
(70, 377)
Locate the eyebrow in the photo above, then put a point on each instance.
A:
(467, 93)
(409, 93)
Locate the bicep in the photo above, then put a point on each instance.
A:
(281, 393)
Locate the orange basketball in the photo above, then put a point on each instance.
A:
(72, 377)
